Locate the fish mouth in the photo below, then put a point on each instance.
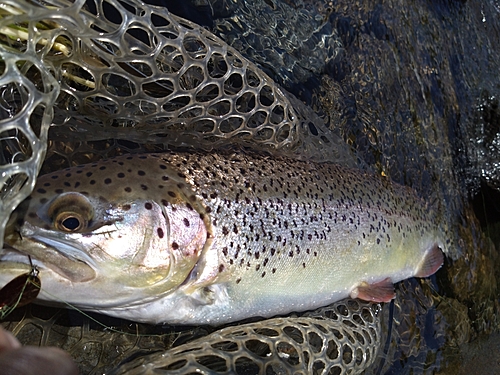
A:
(58, 255)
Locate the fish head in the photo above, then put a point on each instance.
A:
(99, 244)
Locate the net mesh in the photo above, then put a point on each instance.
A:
(343, 338)
(27, 94)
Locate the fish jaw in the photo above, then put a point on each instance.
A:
(65, 258)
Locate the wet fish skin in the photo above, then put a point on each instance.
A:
(243, 235)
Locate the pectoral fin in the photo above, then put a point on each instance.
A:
(383, 291)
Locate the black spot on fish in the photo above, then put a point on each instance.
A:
(55, 177)
(120, 175)
(273, 270)
(172, 194)
(164, 178)
(46, 184)
(128, 189)
(43, 200)
(225, 231)
(213, 195)
(224, 251)
(148, 206)
(41, 191)
(141, 173)
(186, 222)
(66, 183)
(126, 207)
(160, 232)
(59, 191)
(144, 187)
(263, 274)
(102, 168)
(162, 166)
(175, 245)
(88, 174)
(378, 241)
(68, 174)
(107, 181)
(221, 268)
(235, 229)
(164, 202)
(238, 280)
(189, 207)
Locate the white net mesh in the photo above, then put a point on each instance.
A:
(28, 93)
(340, 339)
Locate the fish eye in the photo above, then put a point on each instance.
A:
(71, 212)
(69, 222)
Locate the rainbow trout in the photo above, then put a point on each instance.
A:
(209, 238)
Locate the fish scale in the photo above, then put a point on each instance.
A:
(215, 238)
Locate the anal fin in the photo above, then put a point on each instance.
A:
(383, 291)
(432, 261)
